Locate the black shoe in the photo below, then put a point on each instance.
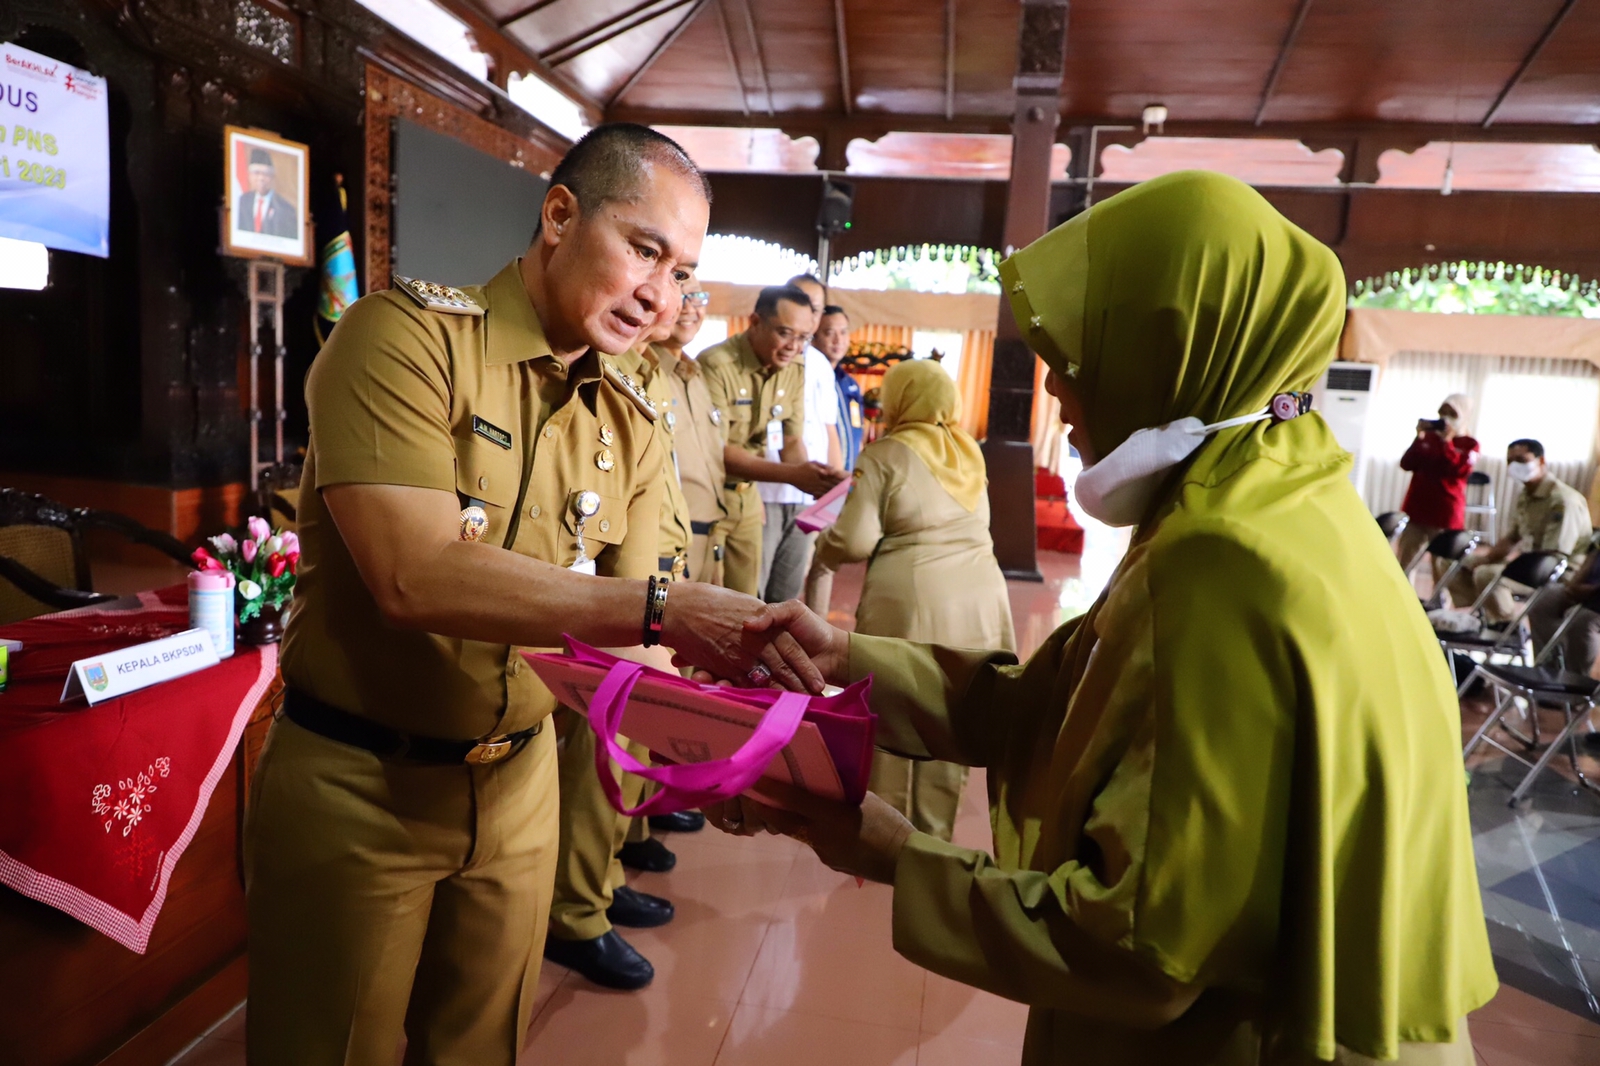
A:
(638, 910)
(682, 822)
(606, 960)
(648, 855)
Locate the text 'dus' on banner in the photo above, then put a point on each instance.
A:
(55, 154)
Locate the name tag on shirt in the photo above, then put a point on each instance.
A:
(583, 566)
(774, 439)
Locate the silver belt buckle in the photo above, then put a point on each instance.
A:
(492, 750)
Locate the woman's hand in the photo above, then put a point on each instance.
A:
(731, 635)
(827, 646)
(863, 841)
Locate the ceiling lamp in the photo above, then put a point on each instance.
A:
(1154, 117)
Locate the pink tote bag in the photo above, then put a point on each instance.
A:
(717, 742)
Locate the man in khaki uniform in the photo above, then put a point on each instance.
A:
(591, 891)
(696, 427)
(1550, 515)
(473, 462)
(757, 382)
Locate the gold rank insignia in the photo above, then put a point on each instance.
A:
(606, 436)
(436, 297)
(604, 459)
(629, 388)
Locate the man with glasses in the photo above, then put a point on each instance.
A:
(696, 428)
(756, 379)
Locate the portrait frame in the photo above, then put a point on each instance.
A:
(285, 222)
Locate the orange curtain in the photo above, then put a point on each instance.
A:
(1047, 427)
(972, 381)
(897, 338)
(738, 324)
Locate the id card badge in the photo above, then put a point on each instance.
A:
(583, 565)
(775, 440)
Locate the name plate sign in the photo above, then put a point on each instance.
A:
(118, 673)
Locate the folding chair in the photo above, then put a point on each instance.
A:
(1484, 508)
(1537, 570)
(1454, 545)
(1393, 523)
(1576, 694)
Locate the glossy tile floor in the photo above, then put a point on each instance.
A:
(773, 959)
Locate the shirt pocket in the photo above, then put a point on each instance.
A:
(489, 474)
(608, 525)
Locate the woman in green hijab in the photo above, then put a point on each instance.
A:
(1229, 818)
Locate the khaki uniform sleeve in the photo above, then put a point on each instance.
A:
(379, 401)
(856, 534)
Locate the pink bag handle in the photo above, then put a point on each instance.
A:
(687, 785)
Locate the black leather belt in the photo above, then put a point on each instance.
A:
(676, 565)
(326, 720)
(736, 486)
(701, 529)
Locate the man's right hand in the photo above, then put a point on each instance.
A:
(815, 479)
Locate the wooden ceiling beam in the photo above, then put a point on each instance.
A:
(1282, 59)
(655, 53)
(755, 49)
(1527, 61)
(846, 95)
(523, 12)
(626, 27)
(599, 27)
(733, 60)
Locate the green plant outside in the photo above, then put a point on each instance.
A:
(1481, 289)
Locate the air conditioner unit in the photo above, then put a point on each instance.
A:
(1344, 396)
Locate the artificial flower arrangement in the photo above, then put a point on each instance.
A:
(264, 565)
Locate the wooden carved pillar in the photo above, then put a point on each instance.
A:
(1041, 57)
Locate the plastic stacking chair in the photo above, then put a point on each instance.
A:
(1576, 694)
(1393, 523)
(1454, 545)
(1537, 570)
(1484, 508)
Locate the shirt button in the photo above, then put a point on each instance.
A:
(605, 525)
(483, 482)
(533, 512)
(546, 433)
(516, 666)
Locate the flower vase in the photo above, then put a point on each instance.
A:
(266, 627)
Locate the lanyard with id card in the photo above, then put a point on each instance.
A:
(584, 507)
(775, 441)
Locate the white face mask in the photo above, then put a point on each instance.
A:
(1521, 472)
(1117, 489)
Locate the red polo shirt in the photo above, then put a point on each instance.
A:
(1437, 495)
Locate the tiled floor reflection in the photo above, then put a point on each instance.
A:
(774, 960)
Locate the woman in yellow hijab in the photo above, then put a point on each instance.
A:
(919, 512)
(1230, 825)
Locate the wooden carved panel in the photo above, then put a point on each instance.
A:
(390, 97)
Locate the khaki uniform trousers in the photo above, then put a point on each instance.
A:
(742, 548)
(587, 870)
(927, 791)
(388, 896)
(1469, 583)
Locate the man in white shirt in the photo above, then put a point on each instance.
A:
(785, 548)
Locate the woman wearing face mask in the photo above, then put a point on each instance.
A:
(1229, 820)
(918, 510)
(1440, 461)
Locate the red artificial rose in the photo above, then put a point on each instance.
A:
(203, 560)
(294, 562)
(276, 564)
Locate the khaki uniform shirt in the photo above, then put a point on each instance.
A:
(672, 542)
(1552, 516)
(749, 396)
(695, 424)
(475, 405)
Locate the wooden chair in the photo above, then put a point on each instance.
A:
(278, 495)
(44, 565)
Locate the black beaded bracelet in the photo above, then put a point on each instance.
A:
(655, 609)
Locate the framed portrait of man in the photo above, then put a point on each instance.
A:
(266, 182)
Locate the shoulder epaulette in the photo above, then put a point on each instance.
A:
(435, 297)
(630, 388)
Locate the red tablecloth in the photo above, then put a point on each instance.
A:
(97, 804)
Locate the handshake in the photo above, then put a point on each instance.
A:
(727, 636)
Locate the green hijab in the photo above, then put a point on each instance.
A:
(1185, 295)
(1300, 829)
